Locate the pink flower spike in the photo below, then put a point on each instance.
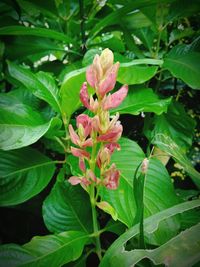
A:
(77, 152)
(109, 82)
(84, 96)
(114, 100)
(74, 180)
(73, 135)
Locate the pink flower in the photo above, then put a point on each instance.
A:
(111, 177)
(85, 122)
(94, 73)
(87, 100)
(113, 134)
(112, 147)
(108, 83)
(103, 157)
(73, 135)
(82, 164)
(114, 100)
(74, 180)
(80, 153)
(77, 140)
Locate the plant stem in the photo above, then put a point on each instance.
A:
(82, 25)
(93, 199)
(95, 223)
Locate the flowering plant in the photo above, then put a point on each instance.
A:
(92, 196)
(101, 132)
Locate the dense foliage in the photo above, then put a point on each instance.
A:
(150, 215)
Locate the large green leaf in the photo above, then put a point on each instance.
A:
(184, 64)
(182, 250)
(158, 192)
(50, 250)
(63, 209)
(42, 32)
(142, 100)
(41, 84)
(150, 225)
(20, 125)
(176, 124)
(23, 174)
(70, 100)
(166, 144)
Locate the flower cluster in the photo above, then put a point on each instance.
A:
(101, 132)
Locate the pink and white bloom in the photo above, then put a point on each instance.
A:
(74, 180)
(87, 100)
(84, 122)
(113, 133)
(80, 153)
(111, 177)
(114, 100)
(103, 157)
(109, 81)
(77, 140)
(112, 147)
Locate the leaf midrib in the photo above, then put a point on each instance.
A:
(183, 64)
(29, 168)
(52, 251)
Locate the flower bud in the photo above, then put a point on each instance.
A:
(106, 59)
(103, 157)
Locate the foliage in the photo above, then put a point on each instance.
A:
(46, 48)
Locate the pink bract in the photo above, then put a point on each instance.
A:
(114, 100)
(77, 152)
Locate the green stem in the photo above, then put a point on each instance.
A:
(95, 223)
(93, 199)
(82, 25)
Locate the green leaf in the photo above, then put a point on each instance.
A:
(24, 173)
(136, 74)
(110, 40)
(24, 46)
(184, 65)
(150, 225)
(41, 84)
(142, 100)
(131, 73)
(50, 250)
(182, 250)
(176, 124)
(155, 199)
(165, 143)
(42, 32)
(115, 17)
(70, 100)
(20, 125)
(178, 34)
(63, 209)
(183, 8)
